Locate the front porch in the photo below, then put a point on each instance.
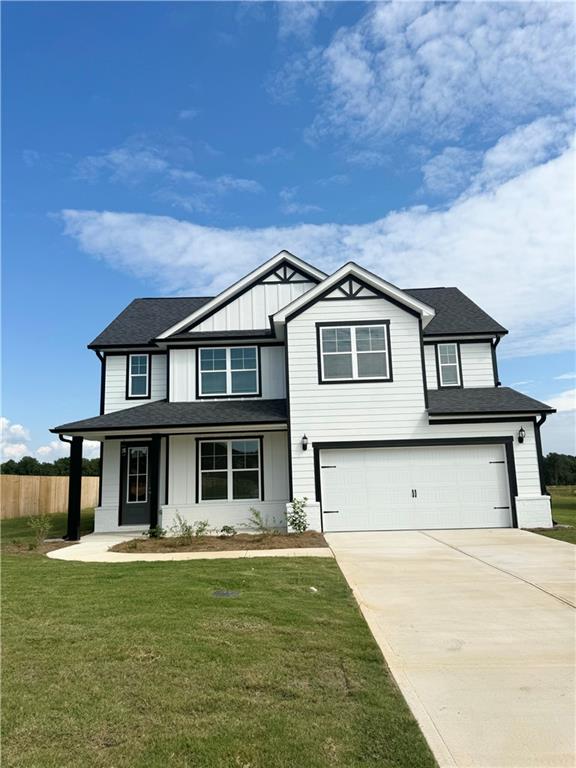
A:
(220, 461)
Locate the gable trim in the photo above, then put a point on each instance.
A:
(241, 287)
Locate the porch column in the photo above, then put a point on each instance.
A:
(154, 479)
(74, 489)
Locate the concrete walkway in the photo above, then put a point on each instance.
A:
(94, 547)
(478, 628)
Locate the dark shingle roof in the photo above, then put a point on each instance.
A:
(164, 414)
(144, 319)
(482, 400)
(455, 312)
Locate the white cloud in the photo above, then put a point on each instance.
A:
(275, 155)
(566, 376)
(437, 69)
(298, 18)
(291, 206)
(188, 114)
(123, 164)
(450, 171)
(564, 401)
(15, 443)
(511, 250)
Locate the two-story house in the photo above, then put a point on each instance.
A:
(380, 405)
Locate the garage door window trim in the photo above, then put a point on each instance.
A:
(354, 352)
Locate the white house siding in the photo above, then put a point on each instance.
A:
(381, 411)
(183, 373)
(477, 369)
(107, 514)
(182, 485)
(115, 389)
(476, 361)
(430, 361)
(252, 310)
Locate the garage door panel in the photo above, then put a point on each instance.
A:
(410, 488)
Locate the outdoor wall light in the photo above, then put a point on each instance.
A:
(304, 443)
(521, 435)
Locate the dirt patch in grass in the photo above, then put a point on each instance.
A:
(240, 542)
(26, 548)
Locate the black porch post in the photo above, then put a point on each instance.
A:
(154, 480)
(75, 489)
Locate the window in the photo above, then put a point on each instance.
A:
(229, 470)
(355, 352)
(138, 373)
(448, 365)
(137, 486)
(228, 371)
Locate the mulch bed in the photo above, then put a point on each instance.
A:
(241, 541)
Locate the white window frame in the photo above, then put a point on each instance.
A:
(229, 470)
(442, 365)
(131, 448)
(354, 352)
(228, 372)
(131, 395)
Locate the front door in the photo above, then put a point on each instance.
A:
(134, 484)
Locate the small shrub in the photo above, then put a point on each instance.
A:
(256, 520)
(186, 531)
(41, 525)
(228, 530)
(296, 515)
(155, 533)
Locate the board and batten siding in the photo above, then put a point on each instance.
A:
(115, 387)
(182, 484)
(183, 373)
(476, 362)
(252, 309)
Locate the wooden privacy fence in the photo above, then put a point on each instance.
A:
(22, 495)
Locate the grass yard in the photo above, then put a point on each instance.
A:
(142, 665)
(563, 512)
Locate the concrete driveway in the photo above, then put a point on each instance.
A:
(478, 628)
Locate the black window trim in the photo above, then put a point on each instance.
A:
(228, 438)
(129, 357)
(350, 324)
(460, 384)
(241, 395)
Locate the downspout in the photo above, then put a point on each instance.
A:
(494, 343)
(537, 424)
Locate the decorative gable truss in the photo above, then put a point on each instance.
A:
(352, 289)
(287, 274)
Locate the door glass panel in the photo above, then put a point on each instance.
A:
(137, 485)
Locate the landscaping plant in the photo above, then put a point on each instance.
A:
(296, 515)
(41, 525)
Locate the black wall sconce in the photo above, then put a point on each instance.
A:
(304, 443)
(521, 435)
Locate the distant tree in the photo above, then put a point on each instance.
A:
(28, 465)
(559, 469)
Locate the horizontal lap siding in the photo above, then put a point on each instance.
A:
(387, 411)
(356, 411)
(477, 368)
(115, 390)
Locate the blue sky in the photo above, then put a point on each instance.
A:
(168, 148)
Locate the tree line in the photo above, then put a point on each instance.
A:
(28, 465)
(559, 469)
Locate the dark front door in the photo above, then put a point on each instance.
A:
(135, 484)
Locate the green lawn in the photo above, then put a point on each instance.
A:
(141, 665)
(563, 512)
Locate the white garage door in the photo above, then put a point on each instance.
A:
(376, 489)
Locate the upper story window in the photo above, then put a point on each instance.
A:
(354, 352)
(138, 376)
(226, 371)
(448, 365)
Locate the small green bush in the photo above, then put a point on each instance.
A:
(155, 533)
(228, 530)
(41, 525)
(187, 531)
(296, 515)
